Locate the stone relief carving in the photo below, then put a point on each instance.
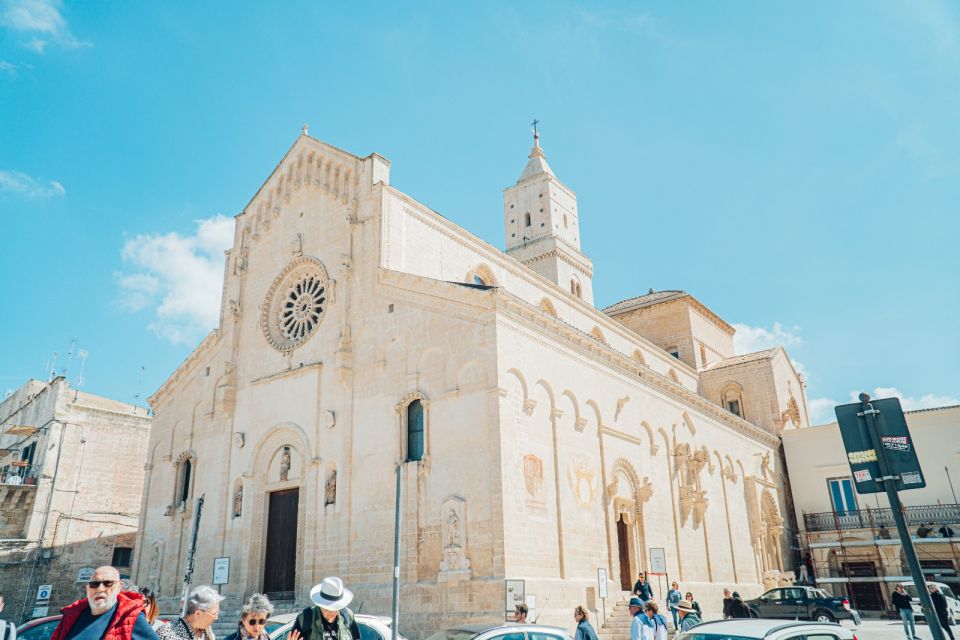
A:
(285, 465)
(528, 406)
(583, 483)
(239, 439)
(533, 480)
(688, 465)
(330, 418)
(330, 491)
(154, 566)
(238, 501)
(621, 403)
(454, 565)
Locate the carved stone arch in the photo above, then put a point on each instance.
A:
(579, 422)
(731, 398)
(529, 404)
(550, 394)
(184, 481)
(471, 375)
(743, 472)
(654, 447)
(481, 274)
(596, 411)
(791, 415)
(627, 515)
(666, 437)
(547, 307)
(257, 488)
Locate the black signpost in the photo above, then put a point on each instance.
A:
(882, 457)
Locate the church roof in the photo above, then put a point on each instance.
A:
(537, 164)
(646, 300)
(742, 359)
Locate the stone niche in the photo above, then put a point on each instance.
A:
(454, 565)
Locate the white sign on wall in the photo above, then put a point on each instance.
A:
(43, 592)
(515, 595)
(84, 574)
(221, 571)
(602, 583)
(40, 612)
(658, 561)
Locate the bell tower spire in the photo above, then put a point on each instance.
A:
(542, 225)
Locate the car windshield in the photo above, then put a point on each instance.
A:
(945, 590)
(453, 634)
(820, 593)
(912, 591)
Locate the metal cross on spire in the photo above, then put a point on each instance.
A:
(534, 124)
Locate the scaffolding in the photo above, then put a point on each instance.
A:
(858, 554)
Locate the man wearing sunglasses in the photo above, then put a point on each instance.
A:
(107, 613)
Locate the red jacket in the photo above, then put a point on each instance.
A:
(129, 605)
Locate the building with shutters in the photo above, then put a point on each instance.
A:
(850, 541)
(360, 329)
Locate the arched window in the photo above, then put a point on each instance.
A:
(732, 399)
(415, 431)
(526, 219)
(575, 288)
(185, 474)
(183, 487)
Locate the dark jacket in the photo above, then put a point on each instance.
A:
(585, 631)
(739, 609)
(643, 590)
(901, 600)
(940, 606)
(727, 603)
(309, 619)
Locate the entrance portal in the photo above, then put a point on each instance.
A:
(280, 559)
(623, 544)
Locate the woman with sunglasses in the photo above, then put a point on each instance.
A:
(202, 610)
(253, 619)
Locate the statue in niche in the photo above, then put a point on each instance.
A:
(238, 502)
(331, 489)
(454, 563)
(285, 464)
(453, 529)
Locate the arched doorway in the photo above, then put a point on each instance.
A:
(627, 497)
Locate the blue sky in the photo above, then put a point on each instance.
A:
(793, 165)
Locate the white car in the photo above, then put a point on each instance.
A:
(501, 631)
(953, 604)
(371, 627)
(760, 629)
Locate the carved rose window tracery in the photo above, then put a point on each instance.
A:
(295, 305)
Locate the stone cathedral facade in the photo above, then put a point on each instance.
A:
(558, 438)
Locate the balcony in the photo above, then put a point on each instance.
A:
(938, 514)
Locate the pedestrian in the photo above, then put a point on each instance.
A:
(107, 613)
(940, 606)
(738, 608)
(328, 618)
(946, 531)
(642, 588)
(151, 610)
(585, 630)
(903, 603)
(202, 610)
(635, 606)
(673, 597)
(693, 603)
(727, 601)
(656, 624)
(8, 630)
(253, 619)
(520, 613)
(923, 531)
(689, 617)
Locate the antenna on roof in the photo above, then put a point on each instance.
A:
(139, 382)
(82, 354)
(52, 369)
(66, 369)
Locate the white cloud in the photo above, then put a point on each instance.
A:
(748, 339)
(8, 69)
(909, 403)
(178, 277)
(21, 184)
(821, 410)
(40, 22)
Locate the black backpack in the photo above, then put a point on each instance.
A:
(345, 614)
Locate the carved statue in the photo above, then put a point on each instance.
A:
(765, 466)
(238, 502)
(285, 464)
(453, 531)
(331, 488)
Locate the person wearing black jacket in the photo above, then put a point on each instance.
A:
(738, 608)
(642, 588)
(940, 606)
(902, 602)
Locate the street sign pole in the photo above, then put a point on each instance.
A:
(395, 613)
(869, 415)
(191, 556)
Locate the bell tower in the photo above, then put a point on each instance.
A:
(543, 228)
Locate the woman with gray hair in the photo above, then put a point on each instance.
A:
(253, 619)
(202, 610)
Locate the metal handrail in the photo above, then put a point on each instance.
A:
(936, 514)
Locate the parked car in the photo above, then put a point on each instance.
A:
(953, 603)
(371, 627)
(766, 630)
(38, 628)
(800, 603)
(500, 631)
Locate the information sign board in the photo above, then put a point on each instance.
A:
(658, 561)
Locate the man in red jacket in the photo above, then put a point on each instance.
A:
(107, 613)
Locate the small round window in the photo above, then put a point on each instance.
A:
(295, 304)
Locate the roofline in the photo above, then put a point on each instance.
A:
(723, 324)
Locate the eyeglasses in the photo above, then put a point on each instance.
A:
(255, 621)
(96, 584)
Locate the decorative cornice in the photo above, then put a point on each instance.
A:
(180, 373)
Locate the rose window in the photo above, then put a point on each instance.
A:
(295, 305)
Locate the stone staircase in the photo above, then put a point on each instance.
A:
(617, 626)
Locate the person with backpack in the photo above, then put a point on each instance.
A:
(8, 630)
(328, 618)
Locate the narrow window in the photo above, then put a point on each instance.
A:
(415, 431)
(841, 496)
(526, 219)
(703, 356)
(185, 481)
(733, 406)
(565, 225)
